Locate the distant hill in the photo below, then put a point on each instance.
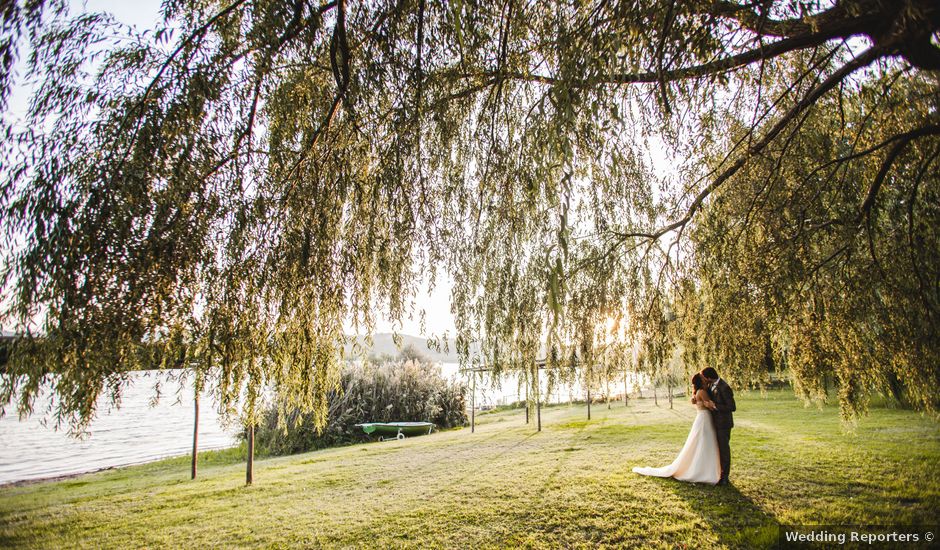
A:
(383, 344)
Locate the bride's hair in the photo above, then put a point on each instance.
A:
(697, 382)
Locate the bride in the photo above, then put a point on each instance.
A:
(698, 460)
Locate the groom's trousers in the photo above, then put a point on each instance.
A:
(724, 450)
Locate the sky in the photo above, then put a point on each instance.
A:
(142, 14)
(139, 13)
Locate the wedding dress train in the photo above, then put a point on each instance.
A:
(698, 461)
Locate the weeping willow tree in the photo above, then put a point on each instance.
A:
(831, 265)
(232, 187)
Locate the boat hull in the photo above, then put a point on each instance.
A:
(392, 429)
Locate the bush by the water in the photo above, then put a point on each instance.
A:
(409, 388)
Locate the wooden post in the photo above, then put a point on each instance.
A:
(607, 389)
(473, 405)
(626, 395)
(589, 402)
(195, 431)
(539, 415)
(527, 405)
(588, 380)
(538, 399)
(249, 473)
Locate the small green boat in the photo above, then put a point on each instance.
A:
(396, 430)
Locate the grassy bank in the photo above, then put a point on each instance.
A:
(569, 485)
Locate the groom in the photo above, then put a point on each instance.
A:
(721, 394)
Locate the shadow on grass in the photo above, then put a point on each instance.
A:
(737, 520)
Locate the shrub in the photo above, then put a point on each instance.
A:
(400, 390)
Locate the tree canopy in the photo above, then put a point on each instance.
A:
(227, 190)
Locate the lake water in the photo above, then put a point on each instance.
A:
(133, 434)
(139, 432)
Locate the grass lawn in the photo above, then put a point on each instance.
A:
(568, 486)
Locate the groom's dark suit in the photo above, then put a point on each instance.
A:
(720, 392)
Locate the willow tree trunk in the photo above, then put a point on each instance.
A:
(249, 472)
(655, 396)
(195, 431)
(670, 395)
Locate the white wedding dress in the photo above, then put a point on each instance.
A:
(698, 460)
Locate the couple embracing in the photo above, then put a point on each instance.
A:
(706, 455)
